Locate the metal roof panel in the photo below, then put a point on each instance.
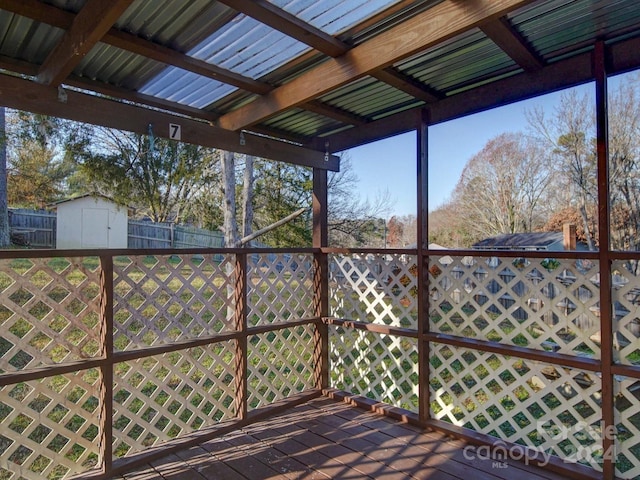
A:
(466, 58)
(558, 27)
(333, 16)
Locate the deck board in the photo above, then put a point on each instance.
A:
(324, 439)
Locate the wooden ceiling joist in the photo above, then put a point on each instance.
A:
(268, 14)
(160, 53)
(23, 94)
(398, 80)
(140, 98)
(511, 42)
(88, 27)
(333, 112)
(443, 21)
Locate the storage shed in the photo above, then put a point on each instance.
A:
(91, 221)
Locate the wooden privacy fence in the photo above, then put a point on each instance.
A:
(37, 228)
(109, 358)
(168, 235)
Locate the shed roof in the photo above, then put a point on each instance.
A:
(298, 78)
(55, 205)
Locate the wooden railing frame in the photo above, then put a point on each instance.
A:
(109, 357)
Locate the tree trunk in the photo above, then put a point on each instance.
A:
(247, 197)
(5, 238)
(231, 237)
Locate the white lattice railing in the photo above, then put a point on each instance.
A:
(197, 338)
(543, 314)
(514, 348)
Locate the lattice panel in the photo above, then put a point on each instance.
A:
(50, 311)
(162, 299)
(382, 367)
(280, 364)
(280, 287)
(379, 288)
(159, 398)
(627, 418)
(625, 297)
(50, 427)
(554, 409)
(546, 304)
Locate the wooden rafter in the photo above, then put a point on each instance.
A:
(26, 95)
(88, 27)
(334, 112)
(511, 42)
(160, 53)
(279, 19)
(443, 21)
(392, 77)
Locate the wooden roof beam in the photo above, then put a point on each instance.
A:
(27, 95)
(338, 114)
(439, 23)
(512, 43)
(279, 19)
(160, 53)
(140, 98)
(91, 23)
(406, 84)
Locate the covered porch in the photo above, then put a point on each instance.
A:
(252, 363)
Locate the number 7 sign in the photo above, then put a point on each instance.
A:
(175, 131)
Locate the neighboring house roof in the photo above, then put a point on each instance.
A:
(522, 241)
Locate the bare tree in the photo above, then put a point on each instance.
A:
(352, 220)
(624, 164)
(569, 134)
(501, 188)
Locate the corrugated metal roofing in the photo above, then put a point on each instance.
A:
(303, 122)
(368, 97)
(277, 55)
(465, 60)
(557, 27)
(333, 16)
(26, 40)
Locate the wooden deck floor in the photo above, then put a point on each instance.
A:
(325, 439)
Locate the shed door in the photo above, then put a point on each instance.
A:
(95, 228)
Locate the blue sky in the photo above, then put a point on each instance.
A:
(391, 164)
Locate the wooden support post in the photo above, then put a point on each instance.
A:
(321, 277)
(106, 366)
(423, 268)
(604, 235)
(240, 321)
